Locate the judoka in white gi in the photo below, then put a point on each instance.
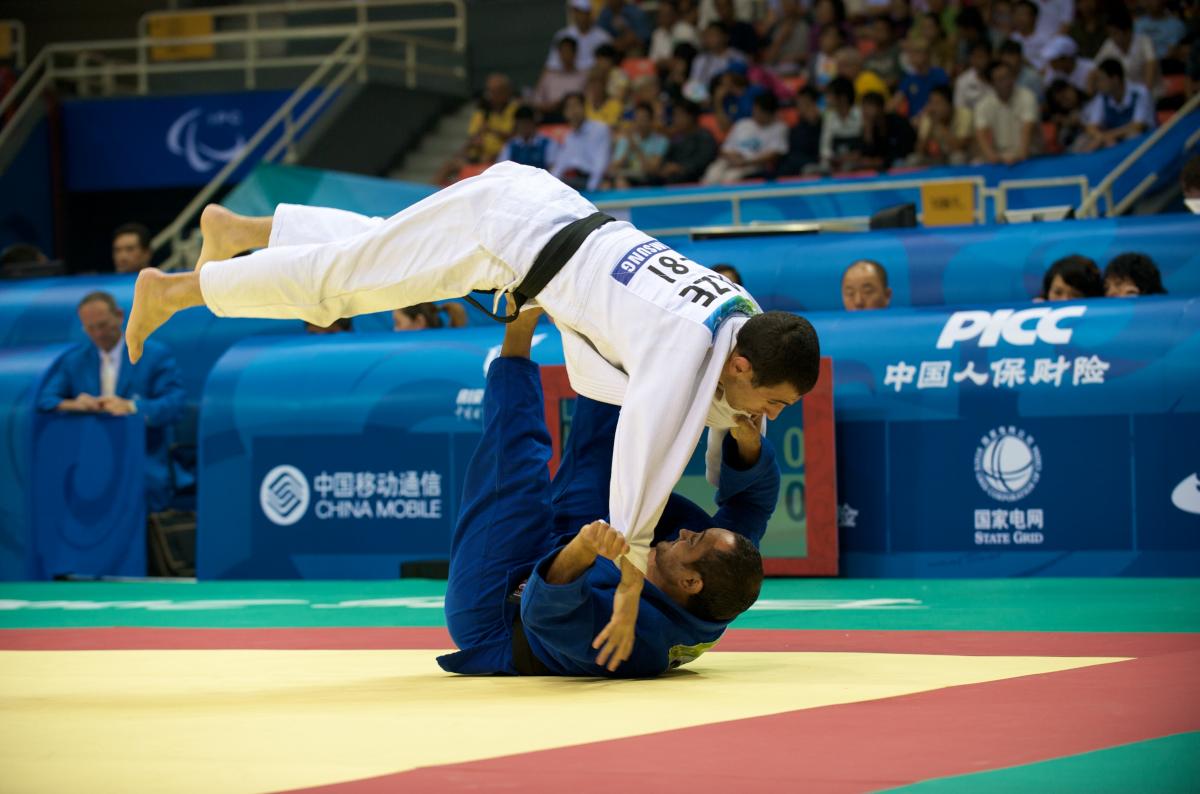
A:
(674, 343)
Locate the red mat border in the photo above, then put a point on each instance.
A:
(965, 643)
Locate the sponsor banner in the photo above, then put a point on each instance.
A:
(164, 141)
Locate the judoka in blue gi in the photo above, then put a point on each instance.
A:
(529, 591)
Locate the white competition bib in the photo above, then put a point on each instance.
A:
(666, 278)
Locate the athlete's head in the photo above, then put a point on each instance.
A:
(774, 364)
(715, 574)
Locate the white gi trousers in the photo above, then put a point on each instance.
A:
(642, 326)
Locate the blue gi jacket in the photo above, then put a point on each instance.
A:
(560, 621)
(153, 383)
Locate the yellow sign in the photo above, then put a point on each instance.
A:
(180, 26)
(948, 203)
(7, 35)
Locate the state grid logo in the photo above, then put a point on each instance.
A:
(1008, 464)
(284, 495)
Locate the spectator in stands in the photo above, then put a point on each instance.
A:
(671, 31)
(884, 60)
(1130, 275)
(728, 271)
(692, 147)
(1088, 28)
(1071, 278)
(96, 377)
(583, 157)
(827, 14)
(1064, 109)
(1027, 77)
(343, 326)
(716, 57)
(1189, 180)
(753, 147)
(428, 315)
(554, 84)
(1135, 51)
(804, 138)
(627, 24)
(490, 127)
(131, 248)
(638, 154)
(850, 66)
(742, 35)
(969, 29)
(1032, 37)
(1000, 22)
(972, 85)
(941, 50)
(943, 131)
(919, 78)
(19, 254)
(865, 286)
(841, 127)
(527, 146)
(678, 70)
(886, 137)
(586, 34)
(1063, 63)
(788, 41)
(1162, 27)
(598, 105)
(1005, 119)
(733, 96)
(1119, 111)
(608, 66)
(824, 66)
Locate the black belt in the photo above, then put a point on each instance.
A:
(549, 261)
(525, 662)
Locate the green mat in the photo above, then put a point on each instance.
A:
(1149, 605)
(1170, 765)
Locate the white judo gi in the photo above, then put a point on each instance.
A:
(642, 326)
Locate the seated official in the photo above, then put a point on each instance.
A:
(96, 377)
(865, 286)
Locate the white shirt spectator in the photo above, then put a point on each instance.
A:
(707, 65)
(663, 42)
(1136, 95)
(586, 43)
(969, 88)
(1053, 15)
(1141, 52)
(1078, 76)
(1033, 45)
(586, 149)
(751, 140)
(834, 128)
(1005, 119)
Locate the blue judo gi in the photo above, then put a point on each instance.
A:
(514, 520)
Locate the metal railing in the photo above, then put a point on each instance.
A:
(736, 198)
(112, 66)
(1090, 206)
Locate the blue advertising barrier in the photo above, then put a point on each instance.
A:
(949, 266)
(67, 501)
(164, 141)
(1033, 439)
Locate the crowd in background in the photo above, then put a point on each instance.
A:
(719, 91)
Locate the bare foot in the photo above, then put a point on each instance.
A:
(157, 296)
(226, 234)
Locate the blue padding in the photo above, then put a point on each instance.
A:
(970, 459)
(934, 267)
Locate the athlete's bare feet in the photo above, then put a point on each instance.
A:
(226, 234)
(156, 298)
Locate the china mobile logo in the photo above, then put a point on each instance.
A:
(284, 495)
(1024, 327)
(1008, 464)
(184, 138)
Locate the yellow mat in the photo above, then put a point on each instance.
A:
(254, 721)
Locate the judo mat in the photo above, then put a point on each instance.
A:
(826, 686)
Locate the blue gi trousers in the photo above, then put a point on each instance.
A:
(505, 524)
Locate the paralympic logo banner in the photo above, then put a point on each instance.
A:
(164, 141)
